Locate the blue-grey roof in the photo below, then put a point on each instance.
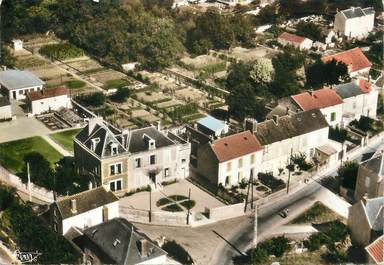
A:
(118, 242)
(16, 79)
(369, 10)
(212, 123)
(374, 209)
(376, 165)
(348, 90)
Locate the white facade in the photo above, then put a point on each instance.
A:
(91, 218)
(370, 104)
(232, 172)
(333, 114)
(277, 154)
(21, 93)
(306, 44)
(50, 104)
(356, 26)
(5, 112)
(235, 2)
(170, 163)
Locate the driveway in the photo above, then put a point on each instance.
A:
(203, 200)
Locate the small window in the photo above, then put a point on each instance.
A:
(115, 169)
(138, 162)
(152, 159)
(112, 186)
(240, 163)
(118, 185)
(166, 172)
(229, 166)
(333, 116)
(21, 92)
(115, 185)
(55, 227)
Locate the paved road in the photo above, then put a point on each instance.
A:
(268, 217)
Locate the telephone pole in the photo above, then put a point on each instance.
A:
(29, 183)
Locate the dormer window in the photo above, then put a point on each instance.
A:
(114, 149)
(94, 143)
(151, 143)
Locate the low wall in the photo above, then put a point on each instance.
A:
(226, 212)
(157, 217)
(37, 192)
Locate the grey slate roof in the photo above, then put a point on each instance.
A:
(353, 12)
(374, 210)
(348, 90)
(290, 126)
(126, 251)
(16, 79)
(375, 164)
(4, 101)
(106, 139)
(137, 144)
(85, 201)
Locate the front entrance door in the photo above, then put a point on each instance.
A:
(14, 94)
(152, 177)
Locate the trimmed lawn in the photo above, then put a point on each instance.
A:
(65, 139)
(172, 208)
(12, 153)
(318, 213)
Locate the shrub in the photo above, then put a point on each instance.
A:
(270, 181)
(315, 241)
(259, 256)
(337, 231)
(276, 246)
(40, 170)
(6, 197)
(347, 173)
(177, 252)
(121, 95)
(338, 134)
(73, 84)
(94, 100)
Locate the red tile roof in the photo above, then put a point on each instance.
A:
(353, 58)
(365, 86)
(48, 93)
(376, 250)
(318, 99)
(292, 37)
(235, 146)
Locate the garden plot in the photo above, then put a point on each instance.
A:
(29, 61)
(152, 97)
(49, 71)
(107, 76)
(247, 55)
(85, 64)
(201, 62)
(169, 104)
(191, 94)
(164, 82)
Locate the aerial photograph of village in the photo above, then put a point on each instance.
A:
(191, 132)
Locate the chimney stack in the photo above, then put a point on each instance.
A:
(143, 247)
(73, 206)
(250, 124)
(365, 198)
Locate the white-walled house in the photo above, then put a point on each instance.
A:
(231, 159)
(296, 41)
(48, 100)
(82, 210)
(355, 22)
(326, 100)
(359, 99)
(5, 109)
(356, 61)
(301, 132)
(16, 83)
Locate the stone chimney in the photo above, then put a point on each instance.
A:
(73, 206)
(144, 247)
(275, 119)
(250, 124)
(365, 198)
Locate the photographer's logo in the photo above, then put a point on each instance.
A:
(27, 257)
